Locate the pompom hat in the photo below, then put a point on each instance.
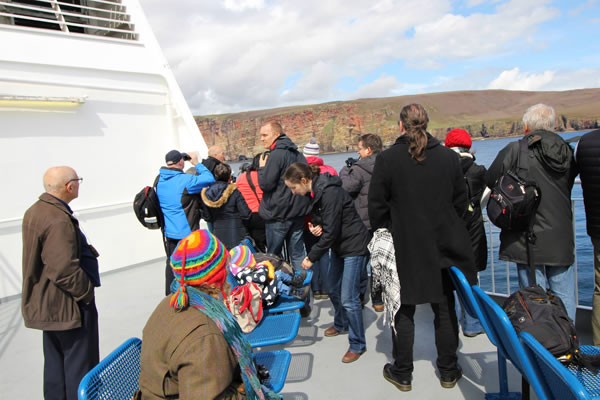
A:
(199, 259)
(242, 256)
(458, 138)
(311, 148)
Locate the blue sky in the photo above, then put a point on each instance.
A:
(239, 55)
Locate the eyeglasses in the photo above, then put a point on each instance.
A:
(80, 179)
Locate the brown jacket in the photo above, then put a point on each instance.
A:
(53, 281)
(185, 356)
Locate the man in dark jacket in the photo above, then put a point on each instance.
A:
(179, 200)
(356, 178)
(215, 157)
(60, 271)
(283, 212)
(552, 167)
(588, 160)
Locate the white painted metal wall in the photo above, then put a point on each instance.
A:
(133, 113)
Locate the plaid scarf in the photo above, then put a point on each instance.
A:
(385, 272)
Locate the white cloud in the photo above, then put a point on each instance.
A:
(383, 86)
(514, 79)
(237, 55)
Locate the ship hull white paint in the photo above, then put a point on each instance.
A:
(132, 114)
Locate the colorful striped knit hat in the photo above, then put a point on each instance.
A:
(199, 259)
(242, 256)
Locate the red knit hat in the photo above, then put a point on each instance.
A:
(458, 138)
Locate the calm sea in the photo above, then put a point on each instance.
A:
(503, 280)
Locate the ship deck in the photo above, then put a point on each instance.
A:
(128, 296)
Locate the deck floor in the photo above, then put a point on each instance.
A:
(127, 298)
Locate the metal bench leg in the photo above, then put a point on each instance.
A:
(503, 383)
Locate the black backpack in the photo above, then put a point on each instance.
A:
(147, 207)
(514, 201)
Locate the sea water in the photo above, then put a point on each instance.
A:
(502, 280)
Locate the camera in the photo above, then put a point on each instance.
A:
(350, 161)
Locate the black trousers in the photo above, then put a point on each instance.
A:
(170, 246)
(69, 355)
(446, 338)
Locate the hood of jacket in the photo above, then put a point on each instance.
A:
(551, 149)
(322, 181)
(466, 160)
(169, 173)
(283, 142)
(367, 163)
(431, 141)
(314, 160)
(210, 163)
(217, 194)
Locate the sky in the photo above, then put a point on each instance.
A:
(240, 55)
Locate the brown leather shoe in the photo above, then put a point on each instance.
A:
(378, 307)
(351, 357)
(331, 331)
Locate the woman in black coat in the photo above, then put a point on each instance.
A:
(418, 192)
(338, 227)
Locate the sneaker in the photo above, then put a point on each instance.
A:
(472, 334)
(404, 385)
(449, 381)
(317, 295)
(300, 293)
(298, 279)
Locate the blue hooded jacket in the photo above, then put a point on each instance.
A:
(179, 208)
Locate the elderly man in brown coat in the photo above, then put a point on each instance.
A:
(60, 271)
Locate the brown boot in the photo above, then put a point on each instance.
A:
(351, 356)
(331, 331)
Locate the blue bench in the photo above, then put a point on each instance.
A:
(117, 376)
(469, 304)
(562, 383)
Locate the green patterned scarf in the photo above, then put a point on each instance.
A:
(234, 336)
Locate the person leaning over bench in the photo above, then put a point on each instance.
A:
(552, 167)
(192, 347)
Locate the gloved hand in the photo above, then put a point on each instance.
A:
(350, 161)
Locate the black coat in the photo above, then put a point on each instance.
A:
(278, 202)
(552, 167)
(588, 159)
(475, 180)
(225, 207)
(422, 204)
(333, 209)
(356, 181)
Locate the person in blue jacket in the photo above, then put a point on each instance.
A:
(178, 194)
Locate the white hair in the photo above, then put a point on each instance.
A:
(540, 116)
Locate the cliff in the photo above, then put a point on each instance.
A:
(336, 125)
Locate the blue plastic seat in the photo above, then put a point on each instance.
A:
(508, 343)
(116, 377)
(561, 382)
(469, 304)
(275, 329)
(278, 363)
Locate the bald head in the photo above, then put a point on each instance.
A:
(216, 151)
(62, 182)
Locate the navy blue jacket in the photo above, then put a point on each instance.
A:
(174, 189)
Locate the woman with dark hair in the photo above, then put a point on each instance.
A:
(418, 193)
(224, 206)
(339, 228)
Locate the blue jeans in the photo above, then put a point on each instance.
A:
(344, 293)
(468, 323)
(320, 269)
(291, 232)
(561, 281)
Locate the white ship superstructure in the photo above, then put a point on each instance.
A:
(84, 83)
